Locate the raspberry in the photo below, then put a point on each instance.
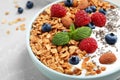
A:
(82, 18)
(88, 44)
(98, 19)
(58, 11)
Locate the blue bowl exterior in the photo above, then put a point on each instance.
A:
(54, 75)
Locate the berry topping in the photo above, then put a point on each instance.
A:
(74, 60)
(61, 38)
(101, 10)
(107, 58)
(46, 27)
(20, 10)
(93, 8)
(58, 10)
(91, 25)
(111, 38)
(89, 45)
(98, 19)
(88, 10)
(81, 33)
(82, 18)
(68, 3)
(29, 4)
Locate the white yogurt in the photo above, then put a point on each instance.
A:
(113, 18)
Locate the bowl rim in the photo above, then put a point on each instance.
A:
(30, 52)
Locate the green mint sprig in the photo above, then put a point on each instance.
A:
(63, 38)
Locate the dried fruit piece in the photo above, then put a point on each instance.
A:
(107, 58)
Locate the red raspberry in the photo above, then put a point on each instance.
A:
(88, 44)
(58, 10)
(82, 18)
(98, 19)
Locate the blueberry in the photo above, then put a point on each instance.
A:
(20, 10)
(93, 8)
(91, 25)
(111, 38)
(88, 10)
(74, 60)
(46, 27)
(68, 3)
(101, 10)
(29, 4)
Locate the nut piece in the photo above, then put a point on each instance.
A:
(75, 3)
(98, 71)
(103, 68)
(67, 21)
(77, 71)
(83, 4)
(107, 58)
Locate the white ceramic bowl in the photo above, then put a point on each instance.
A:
(54, 75)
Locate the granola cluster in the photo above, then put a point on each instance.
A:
(56, 57)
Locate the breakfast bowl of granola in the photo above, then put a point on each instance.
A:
(76, 40)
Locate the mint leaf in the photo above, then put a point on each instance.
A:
(61, 38)
(81, 33)
(72, 27)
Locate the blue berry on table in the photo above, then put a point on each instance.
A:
(20, 10)
(29, 4)
(88, 10)
(111, 38)
(74, 60)
(46, 27)
(68, 3)
(93, 8)
(101, 10)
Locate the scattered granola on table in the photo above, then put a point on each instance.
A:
(71, 38)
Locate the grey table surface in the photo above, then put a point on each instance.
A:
(15, 63)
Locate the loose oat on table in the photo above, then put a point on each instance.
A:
(4, 21)
(16, 28)
(8, 32)
(7, 13)
(22, 27)
(17, 20)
